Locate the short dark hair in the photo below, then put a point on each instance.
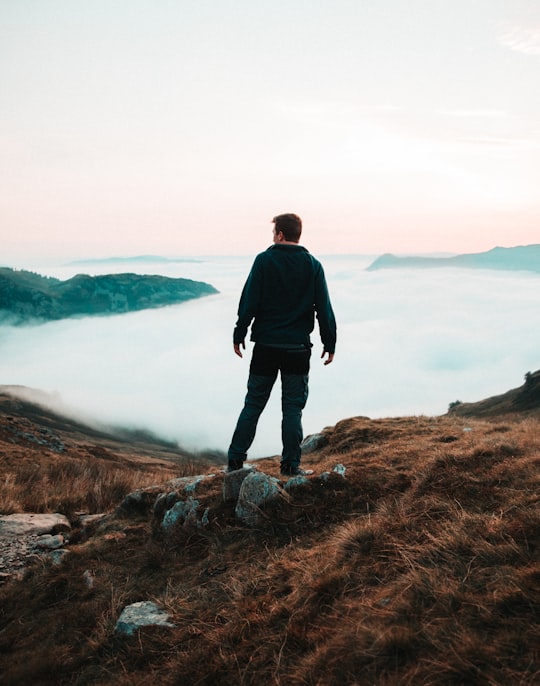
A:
(290, 225)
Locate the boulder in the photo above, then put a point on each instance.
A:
(232, 483)
(256, 490)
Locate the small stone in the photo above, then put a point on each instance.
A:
(312, 443)
(58, 556)
(86, 520)
(89, 578)
(136, 615)
(205, 521)
(139, 502)
(49, 542)
(296, 481)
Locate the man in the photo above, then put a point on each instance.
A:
(285, 289)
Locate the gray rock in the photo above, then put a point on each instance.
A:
(205, 520)
(58, 556)
(180, 513)
(164, 502)
(89, 578)
(257, 489)
(296, 481)
(312, 443)
(138, 502)
(87, 520)
(189, 483)
(233, 482)
(338, 469)
(145, 613)
(28, 523)
(50, 542)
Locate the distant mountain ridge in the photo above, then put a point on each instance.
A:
(137, 259)
(28, 297)
(519, 258)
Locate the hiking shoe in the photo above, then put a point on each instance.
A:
(235, 465)
(286, 470)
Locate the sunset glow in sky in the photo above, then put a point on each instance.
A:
(181, 127)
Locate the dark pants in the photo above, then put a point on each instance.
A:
(293, 363)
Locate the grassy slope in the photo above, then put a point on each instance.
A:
(421, 567)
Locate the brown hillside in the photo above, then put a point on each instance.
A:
(49, 461)
(419, 568)
(522, 400)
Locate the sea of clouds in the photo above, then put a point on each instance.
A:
(409, 343)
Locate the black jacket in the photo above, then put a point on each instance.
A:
(285, 289)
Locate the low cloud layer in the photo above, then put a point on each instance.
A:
(409, 342)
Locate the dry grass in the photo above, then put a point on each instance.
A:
(79, 482)
(421, 568)
(52, 464)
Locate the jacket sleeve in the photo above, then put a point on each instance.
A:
(249, 302)
(325, 313)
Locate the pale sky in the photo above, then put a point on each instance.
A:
(181, 127)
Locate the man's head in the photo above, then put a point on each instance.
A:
(290, 225)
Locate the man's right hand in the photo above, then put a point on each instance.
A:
(237, 346)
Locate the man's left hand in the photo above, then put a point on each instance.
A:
(329, 358)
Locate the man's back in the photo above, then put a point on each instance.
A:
(285, 287)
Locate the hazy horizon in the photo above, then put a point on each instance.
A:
(58, 263)
(409, 343)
